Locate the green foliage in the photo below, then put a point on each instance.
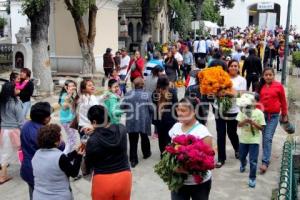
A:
(210, 11)
(225, 3)
(3, 22)
(296, 58)
(30, 7)
(81, 7)
(166, 171)
(183, 18)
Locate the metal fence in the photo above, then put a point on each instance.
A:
(288, 182)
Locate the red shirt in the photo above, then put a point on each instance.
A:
(139, 68)
(272, 98)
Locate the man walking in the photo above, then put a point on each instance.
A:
(253, 68)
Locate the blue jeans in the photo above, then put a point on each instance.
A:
(26, 108)
(268, 133)
(123, 85)
(253, 150)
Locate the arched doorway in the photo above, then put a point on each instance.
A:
(139, 32)
(19, 60)
(258, 17)
(130, 31)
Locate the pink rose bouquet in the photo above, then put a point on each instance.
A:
(186, 155)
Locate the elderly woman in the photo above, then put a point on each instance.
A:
(139, 104)
(106, 155)
(52, 168)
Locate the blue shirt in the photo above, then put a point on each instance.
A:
(188, 58)
(151, 64)
(66, 115)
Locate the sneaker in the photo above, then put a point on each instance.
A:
(242, 169)
(252, 183)
(237, 155)
(219, 164)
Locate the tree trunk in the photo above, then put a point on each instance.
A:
(86, 39)
(39, 42)
(199, 9)
(146, 20)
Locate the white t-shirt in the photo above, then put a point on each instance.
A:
(178, 57)
(199, 131)
(202, 48)
(239, 84)
(124, 62)
(196, 46)
(85, 103)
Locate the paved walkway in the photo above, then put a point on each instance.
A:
(228, 182)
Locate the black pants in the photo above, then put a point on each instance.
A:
(196, 192)
(226, 124)
(163, 138)
(186, 69)
(133, 142)
(252, 80)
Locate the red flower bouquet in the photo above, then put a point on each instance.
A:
(186, 155)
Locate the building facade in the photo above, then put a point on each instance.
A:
(249, 12)
(159, 20)
(64, 50)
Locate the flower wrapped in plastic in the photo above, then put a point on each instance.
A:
(215, 82)
(186, 155)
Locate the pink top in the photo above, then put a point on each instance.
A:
(21, 86)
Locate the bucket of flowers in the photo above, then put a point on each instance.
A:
(216, 83)
(185, 156)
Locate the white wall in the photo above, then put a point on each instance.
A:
(18, 20)
(239, 14)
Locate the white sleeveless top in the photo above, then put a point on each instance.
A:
(199, 131)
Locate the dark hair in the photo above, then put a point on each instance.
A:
(138, 83)
(156, 70)
(49, 135)
(252, 51)
(63, 90)
(162, 82)
(111, 82)
(40, 111)
(201, 64)
(13, 76)
(26, 71)
(7, 92)
(232, 61)
(108, 50)
(262, 81)
(192, 102)
(99, 114)
(112, 71)
(217, 54)
(83, 84)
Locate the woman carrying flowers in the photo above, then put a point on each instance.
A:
(226, 122)
(194, 187)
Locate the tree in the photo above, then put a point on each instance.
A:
(182, 16)
(86, 36)
(38, 12)
(218, 3)
(210, 11)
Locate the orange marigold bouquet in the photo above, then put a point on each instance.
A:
(214, 81)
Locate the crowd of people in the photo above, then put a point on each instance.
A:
(47, 161)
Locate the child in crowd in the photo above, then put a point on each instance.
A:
(67, 100)
(86, 100)
(251, 122)
(115, 75)
(112, 101)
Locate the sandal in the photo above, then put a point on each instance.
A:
(219, 164)
(5, 179)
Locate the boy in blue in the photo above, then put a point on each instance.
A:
(250, 122)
